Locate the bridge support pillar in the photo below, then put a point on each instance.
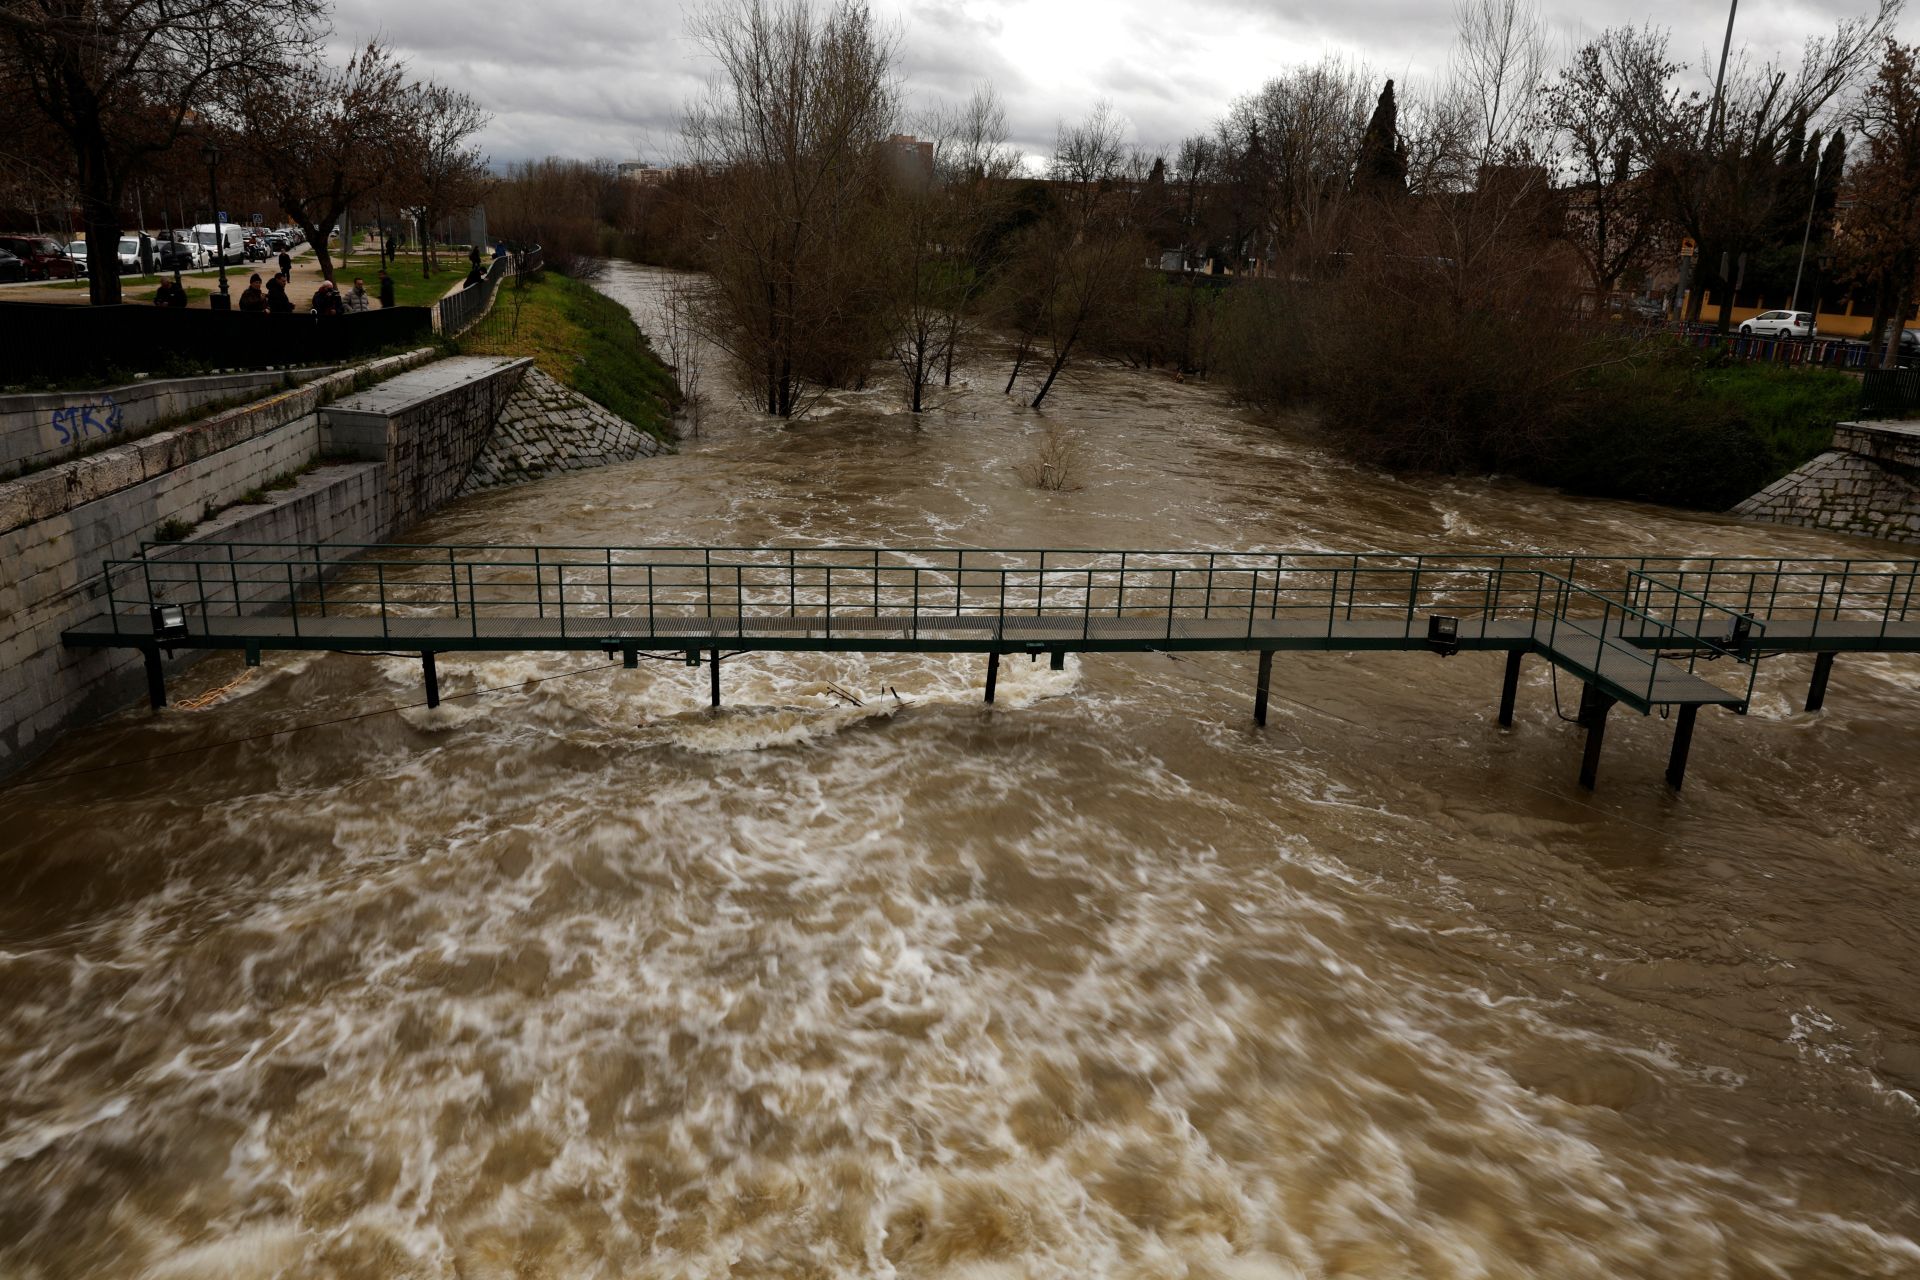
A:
(1594, 706)
(1817, 691)
(156, 678)
(629, 657)
(1510, 686)
(713, 680)
(993, 674)
(1682, 742)
(433, 677)
(1262, 685)
(1059, 660)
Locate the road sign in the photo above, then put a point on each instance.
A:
(222, 216)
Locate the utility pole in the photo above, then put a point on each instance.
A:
(1793, 304)
(1720, 78)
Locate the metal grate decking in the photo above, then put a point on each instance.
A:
(1647, 632)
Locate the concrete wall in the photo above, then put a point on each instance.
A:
(1867, 484)
(428, 426)
(44, 427)
(58, 525)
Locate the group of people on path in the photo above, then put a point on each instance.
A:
(328, 299)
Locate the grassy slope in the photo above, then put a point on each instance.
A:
(589, 342)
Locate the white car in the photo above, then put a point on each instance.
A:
(1779, 324)
(129, 253)
(78, 252)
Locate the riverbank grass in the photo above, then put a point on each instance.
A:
(586, 341)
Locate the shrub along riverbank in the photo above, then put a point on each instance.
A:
(585, 340)
(1413, 384)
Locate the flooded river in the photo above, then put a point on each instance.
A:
(859, 977)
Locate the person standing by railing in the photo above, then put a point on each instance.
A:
(386, 289)
(255, 298)
(356, 301)
(277, 300)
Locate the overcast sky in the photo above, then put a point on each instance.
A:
(608, 78)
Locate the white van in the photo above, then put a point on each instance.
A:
(227, 243)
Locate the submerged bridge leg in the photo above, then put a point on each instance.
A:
(1682, 742)
(156, 678)
(1817, 691)
(1594, 706)
(714, 680)
(1262, 684)
(1509, 686)
(993, 674)
(433, 677)
(1059, 660)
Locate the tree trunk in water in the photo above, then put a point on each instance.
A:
(1059, 363)
(953, 340)
(1019, 358)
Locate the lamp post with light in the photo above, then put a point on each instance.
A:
(211, 154)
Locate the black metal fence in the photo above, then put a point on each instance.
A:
(50, 341)
(1834, 353)
(459, 311)
(1890, 393)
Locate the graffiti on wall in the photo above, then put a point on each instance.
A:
(80, 422)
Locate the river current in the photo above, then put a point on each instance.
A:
(860, 977)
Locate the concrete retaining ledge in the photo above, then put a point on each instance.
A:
(49, 493)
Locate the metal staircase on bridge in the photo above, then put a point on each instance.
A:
(1644, 632)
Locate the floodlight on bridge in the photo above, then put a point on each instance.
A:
(1740, 632)
(1443, 634)
(169, 622)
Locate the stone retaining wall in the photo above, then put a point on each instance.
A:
(547, 428)
(1867, 484)
(58, 525)
(43, 427)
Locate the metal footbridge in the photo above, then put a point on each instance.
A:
(1675, 633)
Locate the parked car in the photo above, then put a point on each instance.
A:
(12, 270)
(130, 253)
(185, 238)
(42, 257)
(278, 242)
(78, 252)
(174, 255)
(1779, 324)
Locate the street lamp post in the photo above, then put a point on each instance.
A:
(1813, 202)
(211, 154)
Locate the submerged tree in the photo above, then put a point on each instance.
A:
(786, 143)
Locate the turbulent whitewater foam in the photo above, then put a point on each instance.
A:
(572, 976)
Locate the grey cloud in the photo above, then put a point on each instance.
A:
(610, 77)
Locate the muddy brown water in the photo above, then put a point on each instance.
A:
(576, 979)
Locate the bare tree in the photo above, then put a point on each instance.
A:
(320, 137)
(686, 349)
(1715, 173)
(1591, 107)
(120, 80)
(787, 143)
(1881, 236)
(1095, 243)
(439, 169)
(1499, 61)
